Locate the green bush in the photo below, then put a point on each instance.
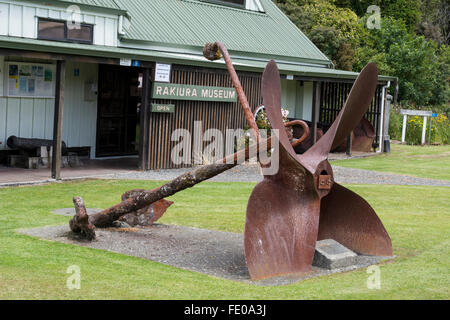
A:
(442, 125)
(414, 127)
(395, 125)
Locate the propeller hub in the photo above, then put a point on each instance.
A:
(323, 178)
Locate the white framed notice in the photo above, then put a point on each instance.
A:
(162, 72)
(34, 80)
(125, 62)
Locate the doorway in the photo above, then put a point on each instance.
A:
(118, 115)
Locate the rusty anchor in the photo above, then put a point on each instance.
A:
(289, 211)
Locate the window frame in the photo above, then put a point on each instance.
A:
(66, 38)
(228, 4)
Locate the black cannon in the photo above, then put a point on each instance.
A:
(30, 145)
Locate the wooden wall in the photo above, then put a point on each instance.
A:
(219, 115)
(26, 117)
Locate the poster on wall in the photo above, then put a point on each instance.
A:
(30, 80)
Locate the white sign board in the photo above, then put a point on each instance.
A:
(125, 62)
(30, 80)
(162, 72)
(420, 113)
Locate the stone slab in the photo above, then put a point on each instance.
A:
(330, 254)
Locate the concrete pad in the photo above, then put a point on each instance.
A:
(330, 254)
(214, 253)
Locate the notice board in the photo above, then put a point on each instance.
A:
(23, 79)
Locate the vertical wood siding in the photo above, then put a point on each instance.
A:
(218, 115)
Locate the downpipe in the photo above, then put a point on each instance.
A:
(383, 104)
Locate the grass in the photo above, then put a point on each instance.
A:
(417, 219)
(425, 162)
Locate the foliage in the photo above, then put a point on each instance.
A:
(435, 20)
(395, 125)
(442, 126)
(410, 44)
(408, 11)
(421, 67)
(335, 31)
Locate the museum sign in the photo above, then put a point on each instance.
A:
(172, 91)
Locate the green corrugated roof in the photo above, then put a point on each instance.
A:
(192, 23)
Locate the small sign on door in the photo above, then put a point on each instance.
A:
(162, 72)
(163, 108)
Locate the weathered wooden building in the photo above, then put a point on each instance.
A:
(102, 75)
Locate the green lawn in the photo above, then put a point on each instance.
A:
(425, 162)
(417, 219)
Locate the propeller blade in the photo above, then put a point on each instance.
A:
(271, 94)
(355, 107)
(282, 222)
(351, 221)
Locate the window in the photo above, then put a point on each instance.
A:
(59, 31)
(233, 3)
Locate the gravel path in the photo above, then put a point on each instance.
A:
(251, 173)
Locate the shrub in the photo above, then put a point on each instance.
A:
(442, 125)
(395, 124)
(414, 127)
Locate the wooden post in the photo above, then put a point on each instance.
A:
(315, 110)
(424, 130)
(58, 119)
(404, 128)
(349, 145)
(144, 119)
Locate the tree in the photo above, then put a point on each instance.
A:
(335, 31)
(410, 57)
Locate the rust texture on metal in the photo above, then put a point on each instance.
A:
(288, 212)
(146, 216)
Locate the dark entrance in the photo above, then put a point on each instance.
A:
(119, 100)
